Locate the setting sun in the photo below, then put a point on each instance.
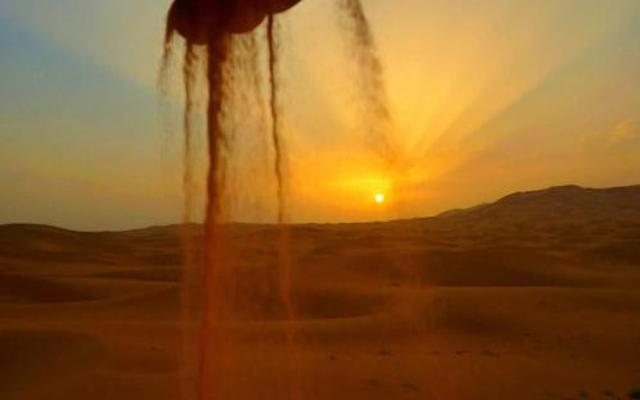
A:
(335, 199)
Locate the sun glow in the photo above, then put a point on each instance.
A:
(379, 198)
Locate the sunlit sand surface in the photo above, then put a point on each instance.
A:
(532, 297)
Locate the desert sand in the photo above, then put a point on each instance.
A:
(535, 296)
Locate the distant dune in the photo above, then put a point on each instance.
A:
(560, 202)
(534, 296)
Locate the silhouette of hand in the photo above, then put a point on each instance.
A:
(200, 21)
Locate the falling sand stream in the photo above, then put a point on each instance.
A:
(217, 33)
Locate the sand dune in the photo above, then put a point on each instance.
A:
(534, 296)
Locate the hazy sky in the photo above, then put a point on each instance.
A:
(488, 97)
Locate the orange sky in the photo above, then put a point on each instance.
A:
(486, 98)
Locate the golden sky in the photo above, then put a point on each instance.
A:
(486, 97)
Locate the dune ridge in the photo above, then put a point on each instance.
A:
(534, 296)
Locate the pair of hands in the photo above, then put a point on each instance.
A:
(200, 20)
